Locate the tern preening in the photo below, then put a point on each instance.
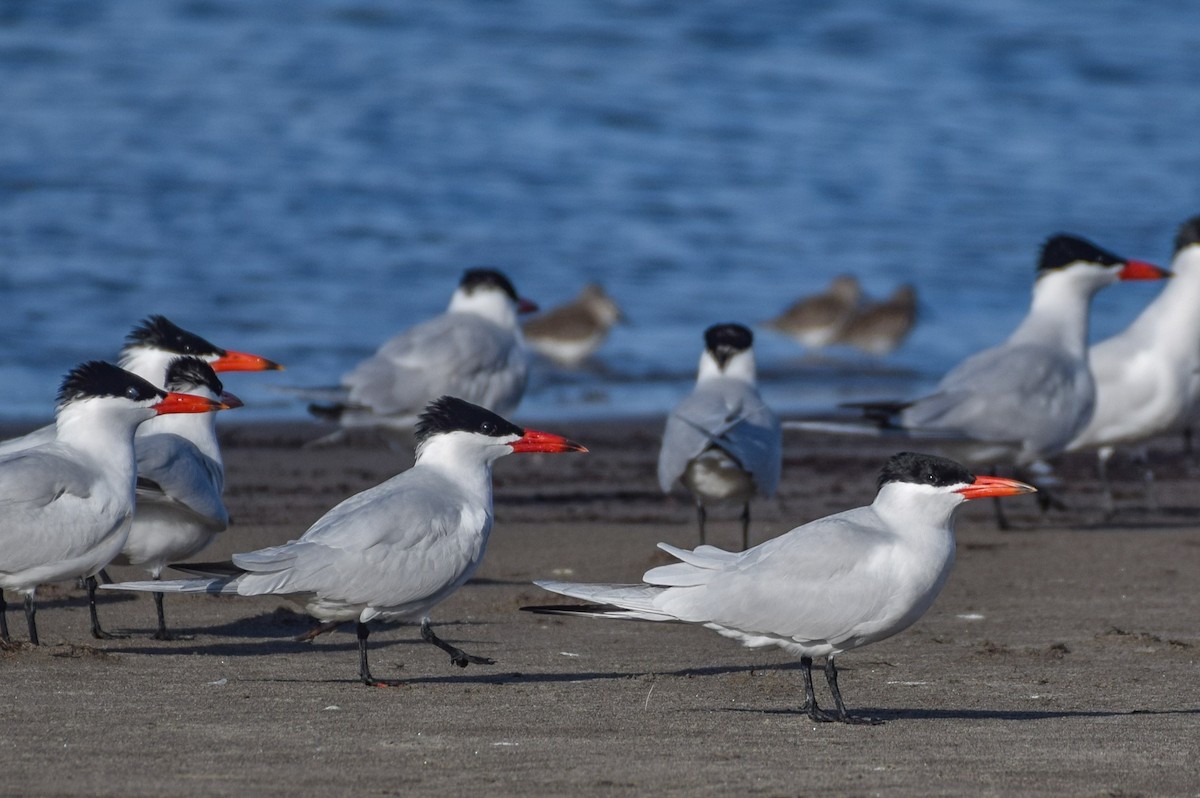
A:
(66, 505)
(181, 478)
(473, 351)
(399, 548)
(1148, 375)
(722, 442)
(829, 586)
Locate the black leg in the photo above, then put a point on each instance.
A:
(364, 671)
(1108, 503)
(745, 526)
(1143, 460)
(842, 715)
(459, 657)
(4, 638)
(702, 516)
(1001, 519)
(97, 632)
(815, 713)
(30, 612)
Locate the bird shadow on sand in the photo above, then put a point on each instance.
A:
(892, 714)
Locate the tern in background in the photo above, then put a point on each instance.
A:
(66, 505)
(723, 442)
(570, 333)
(395, 550)
(1148, 375)
(826, 587)
(815, 321)
(473, 351)
(1025, 400)
(878, 328)
(181, 478)
(148, 351)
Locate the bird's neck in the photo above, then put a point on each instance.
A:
(459, 463)
(494, 306)
(1058, 314)
(1171, 321)
(739, 367)
(198, 428)
(101, 438)
(917, 514)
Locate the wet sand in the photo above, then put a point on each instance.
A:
(1061, 658)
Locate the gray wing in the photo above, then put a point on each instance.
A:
(391, 545)
(45, 515)
(1038, 395)
(815, 583)
(172, 470)
(726, 413)
(459, 354)
(37, 437)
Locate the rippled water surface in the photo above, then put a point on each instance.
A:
(304, 179)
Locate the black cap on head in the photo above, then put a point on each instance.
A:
(475, 278)
(159, 332)
(98, 378)
(924, 469)
(1062, 250)
(451, 414)
(726, 340)
(185, 373)
(1189, 233)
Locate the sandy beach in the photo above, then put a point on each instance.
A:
(1061, 658)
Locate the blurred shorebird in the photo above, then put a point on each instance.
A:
(878, 328)
(815, 321)
(570, 333)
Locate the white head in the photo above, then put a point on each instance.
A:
(455, 431)
(928, 488)
(156, 341)
(488, 293)
(728, 352)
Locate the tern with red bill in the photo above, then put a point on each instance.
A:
(474, 351)
(829, 586)
(1026, 399)
(148, 351)
(394, 550)
(66, 505)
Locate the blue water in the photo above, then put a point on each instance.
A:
(303, 179)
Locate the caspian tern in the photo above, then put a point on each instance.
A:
(148, 351)
(723, 442)
(1025, 400)
(474, 351)
(570, 333)
(1148, 375)
(66, 505)
(399, 548)
(815, 321)
(826, 587)
(878, 328)
(180, 481)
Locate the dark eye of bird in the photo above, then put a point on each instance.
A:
(487, 428)
(132, 393)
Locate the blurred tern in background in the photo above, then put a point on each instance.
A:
(826, 587)
(474, 351)
(1148, 375)
(1025, 400)
(723, 442)
(66, 505)
(571, 333)
(395, 550)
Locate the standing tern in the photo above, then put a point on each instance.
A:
(399, 548)
(180, 481)
(1025, 400)
(66, 505)
(1148, 375)
(826, 587)
(723, 442)
(148, 351)
(570, 333)
(474, 351)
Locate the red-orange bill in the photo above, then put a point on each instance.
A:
(535, 441)
(987, 487)
(187, 403)
(243, 361)
(1141, 270)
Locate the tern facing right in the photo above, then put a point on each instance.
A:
(826, 587)
(395, 550)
